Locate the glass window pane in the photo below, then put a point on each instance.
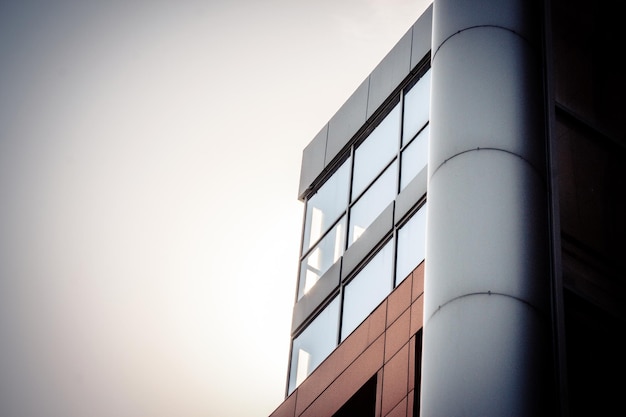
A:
(411, 244)
(323, 208)
(414, 158)
(375, 152)
(416, 108)
(314, 344)
(373, 202)
(322, 257)
(367, 289)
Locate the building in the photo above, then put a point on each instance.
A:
(465, 225)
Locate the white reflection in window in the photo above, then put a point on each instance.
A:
(411, 244)
(317, 224)
(322, 257)
(367, 289)
(339, 239)
(357, 231)
(318, 340)
(304, 361)
(376, 151)
(325, 207)
(416, 108)
(373, 202)
(414, 157)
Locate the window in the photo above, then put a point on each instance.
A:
(414, 157)
(411, 244)
(314, 344)
(380, 165)
(416, 108)
(375, 153)
(374, 170)
(372, 203)
(367, 289)
(322, 257)
(325, 206)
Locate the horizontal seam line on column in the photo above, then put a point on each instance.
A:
(477, 27)
(534, 168)
(483, 293)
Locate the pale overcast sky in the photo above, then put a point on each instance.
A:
(149, 223)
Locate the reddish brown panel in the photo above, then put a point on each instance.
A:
(417, 315)
(399, 410)
(287, 408)
(397, 335)
(399, 300)
(412, 363)
(411, 403)
(418, 281)
(395, 380)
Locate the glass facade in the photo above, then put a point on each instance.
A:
(411, 249)
(326, 205)
(372, 202)
(374, 154)
(375, 169)
(314, 344)
(367, 289)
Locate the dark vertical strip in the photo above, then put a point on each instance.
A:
(418, 373)
(556, 267)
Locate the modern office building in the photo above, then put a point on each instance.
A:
(465, 223)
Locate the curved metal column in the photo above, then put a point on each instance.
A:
(486, 332)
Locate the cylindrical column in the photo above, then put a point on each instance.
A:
(486, 344)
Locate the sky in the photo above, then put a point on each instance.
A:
(149, 166)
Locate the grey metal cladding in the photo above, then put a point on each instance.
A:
(347, 121)
(515, 16)
(497, 88)
(366, 99)
(314, 298)
(422, 36)
(372, 236)
(312, 161)
(389, 73)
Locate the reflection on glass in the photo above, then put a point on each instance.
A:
(304, 362)
(322, 257)
(416, 108)
(314, 344)
(367, 289)
(373, 202)
(411, 244)
(414, 158)
(326, 205)
(376, 151)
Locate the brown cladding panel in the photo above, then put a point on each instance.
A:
(395, 380)
(411, 404)
(417, 315)
(397, 335)
(399, 410)
(418, 281)
(411, 364)
(399, 301)
(287, 408)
